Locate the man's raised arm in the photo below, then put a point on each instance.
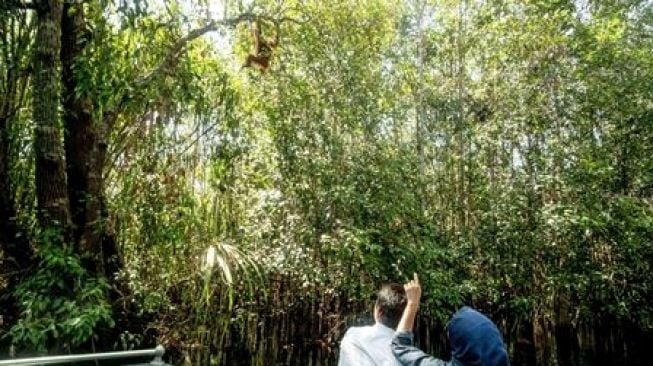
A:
(402, 343)
(413, 294)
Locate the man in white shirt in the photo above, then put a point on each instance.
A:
(370, 345)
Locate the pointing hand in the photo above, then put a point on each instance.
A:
(413, 291)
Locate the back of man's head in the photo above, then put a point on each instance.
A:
(391, 301)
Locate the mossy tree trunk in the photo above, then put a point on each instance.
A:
(51, 189)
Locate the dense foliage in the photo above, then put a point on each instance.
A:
(153, 190)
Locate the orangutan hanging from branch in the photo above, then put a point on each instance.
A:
(262, 48)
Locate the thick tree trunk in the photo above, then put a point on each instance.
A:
(84, 169)
(86, 146)
(51, 192)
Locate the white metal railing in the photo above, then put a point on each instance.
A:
(157, 353)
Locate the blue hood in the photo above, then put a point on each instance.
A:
(475, 340)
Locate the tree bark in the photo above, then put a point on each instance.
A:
(51, 192)
(83, 167)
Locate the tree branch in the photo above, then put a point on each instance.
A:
(179, 46)
(171, 56)
(176, 50)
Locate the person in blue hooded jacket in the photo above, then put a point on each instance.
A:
(475, 340)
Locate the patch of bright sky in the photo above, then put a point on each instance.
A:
(582, 10)
(209, 10)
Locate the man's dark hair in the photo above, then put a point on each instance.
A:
(391, 300)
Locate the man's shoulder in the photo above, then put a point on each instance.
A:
(370, 344)
(369, 335)
(357, 332)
